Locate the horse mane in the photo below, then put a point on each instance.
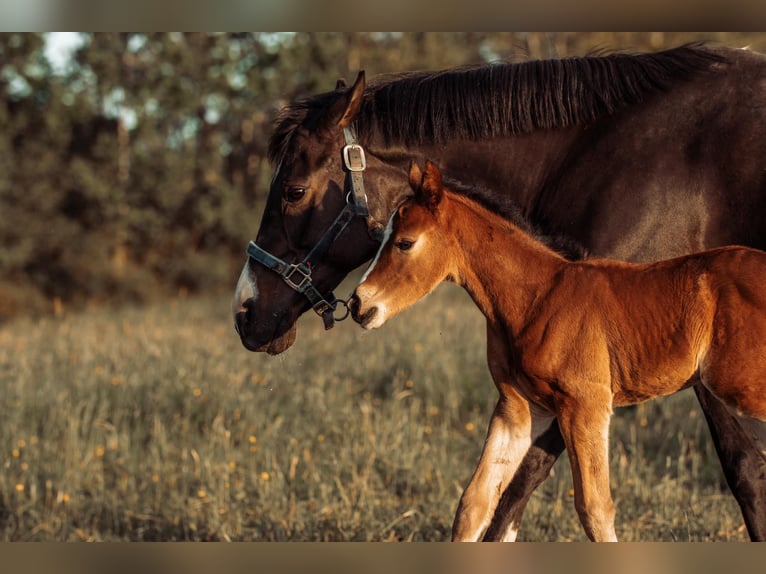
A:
(502, 205)
(500, 99)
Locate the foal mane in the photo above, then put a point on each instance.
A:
(477, 102)
(503, 206)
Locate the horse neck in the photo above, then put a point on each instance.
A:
(503, 268)
(515, 165)
(518, 166)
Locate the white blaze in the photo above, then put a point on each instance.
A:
(245, 290)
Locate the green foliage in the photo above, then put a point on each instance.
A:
(140, 169)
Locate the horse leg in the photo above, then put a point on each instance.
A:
(743, 465)
(585, 428)
(512, 429)
(756, 430)
(534, 469)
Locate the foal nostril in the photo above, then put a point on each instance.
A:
(365, 319)
(353, 306)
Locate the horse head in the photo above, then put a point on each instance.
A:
(314, 229)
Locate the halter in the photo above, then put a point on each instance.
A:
(298, 275)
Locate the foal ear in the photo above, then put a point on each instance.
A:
(416, 176)
(432, 186)
(340, 84)
(352, 101)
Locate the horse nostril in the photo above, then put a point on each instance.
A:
(240, 323)
(244, 316)
(247, 309)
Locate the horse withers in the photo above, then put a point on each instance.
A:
(572, 339)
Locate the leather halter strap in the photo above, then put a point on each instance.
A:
(298, 275)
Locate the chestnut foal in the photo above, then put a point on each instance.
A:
(571, 340)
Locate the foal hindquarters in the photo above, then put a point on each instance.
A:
(733, 366)
(734, 369)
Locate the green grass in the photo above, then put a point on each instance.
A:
(154, 423)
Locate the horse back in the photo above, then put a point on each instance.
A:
(679, 173)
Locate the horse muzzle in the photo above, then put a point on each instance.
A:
(272, 337)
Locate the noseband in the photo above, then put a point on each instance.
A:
(298, 275)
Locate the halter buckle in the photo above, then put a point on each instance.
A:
(354, 158)
(304, 276)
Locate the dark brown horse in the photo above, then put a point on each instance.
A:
(572, 339)
(635, 157)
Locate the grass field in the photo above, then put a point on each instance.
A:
(154, 423)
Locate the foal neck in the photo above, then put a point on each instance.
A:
(502, 267)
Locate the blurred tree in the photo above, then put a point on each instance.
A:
(140, 168)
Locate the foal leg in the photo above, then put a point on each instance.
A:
(743, 466)
(511, 432)
(534, 469)
(585, 428)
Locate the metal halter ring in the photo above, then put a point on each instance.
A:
(338, 303)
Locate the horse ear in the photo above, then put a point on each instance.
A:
(353, 101)
(432, 186)
(340, 84)
(416, 177)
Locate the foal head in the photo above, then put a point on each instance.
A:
(415, 257)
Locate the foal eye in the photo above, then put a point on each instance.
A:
(404, 244)
(293, 194)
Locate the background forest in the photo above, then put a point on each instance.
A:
(135, 167)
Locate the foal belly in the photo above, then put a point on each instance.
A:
(536, 391)
(648, 381)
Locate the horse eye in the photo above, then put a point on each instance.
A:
(293, 194)
(404, 244)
